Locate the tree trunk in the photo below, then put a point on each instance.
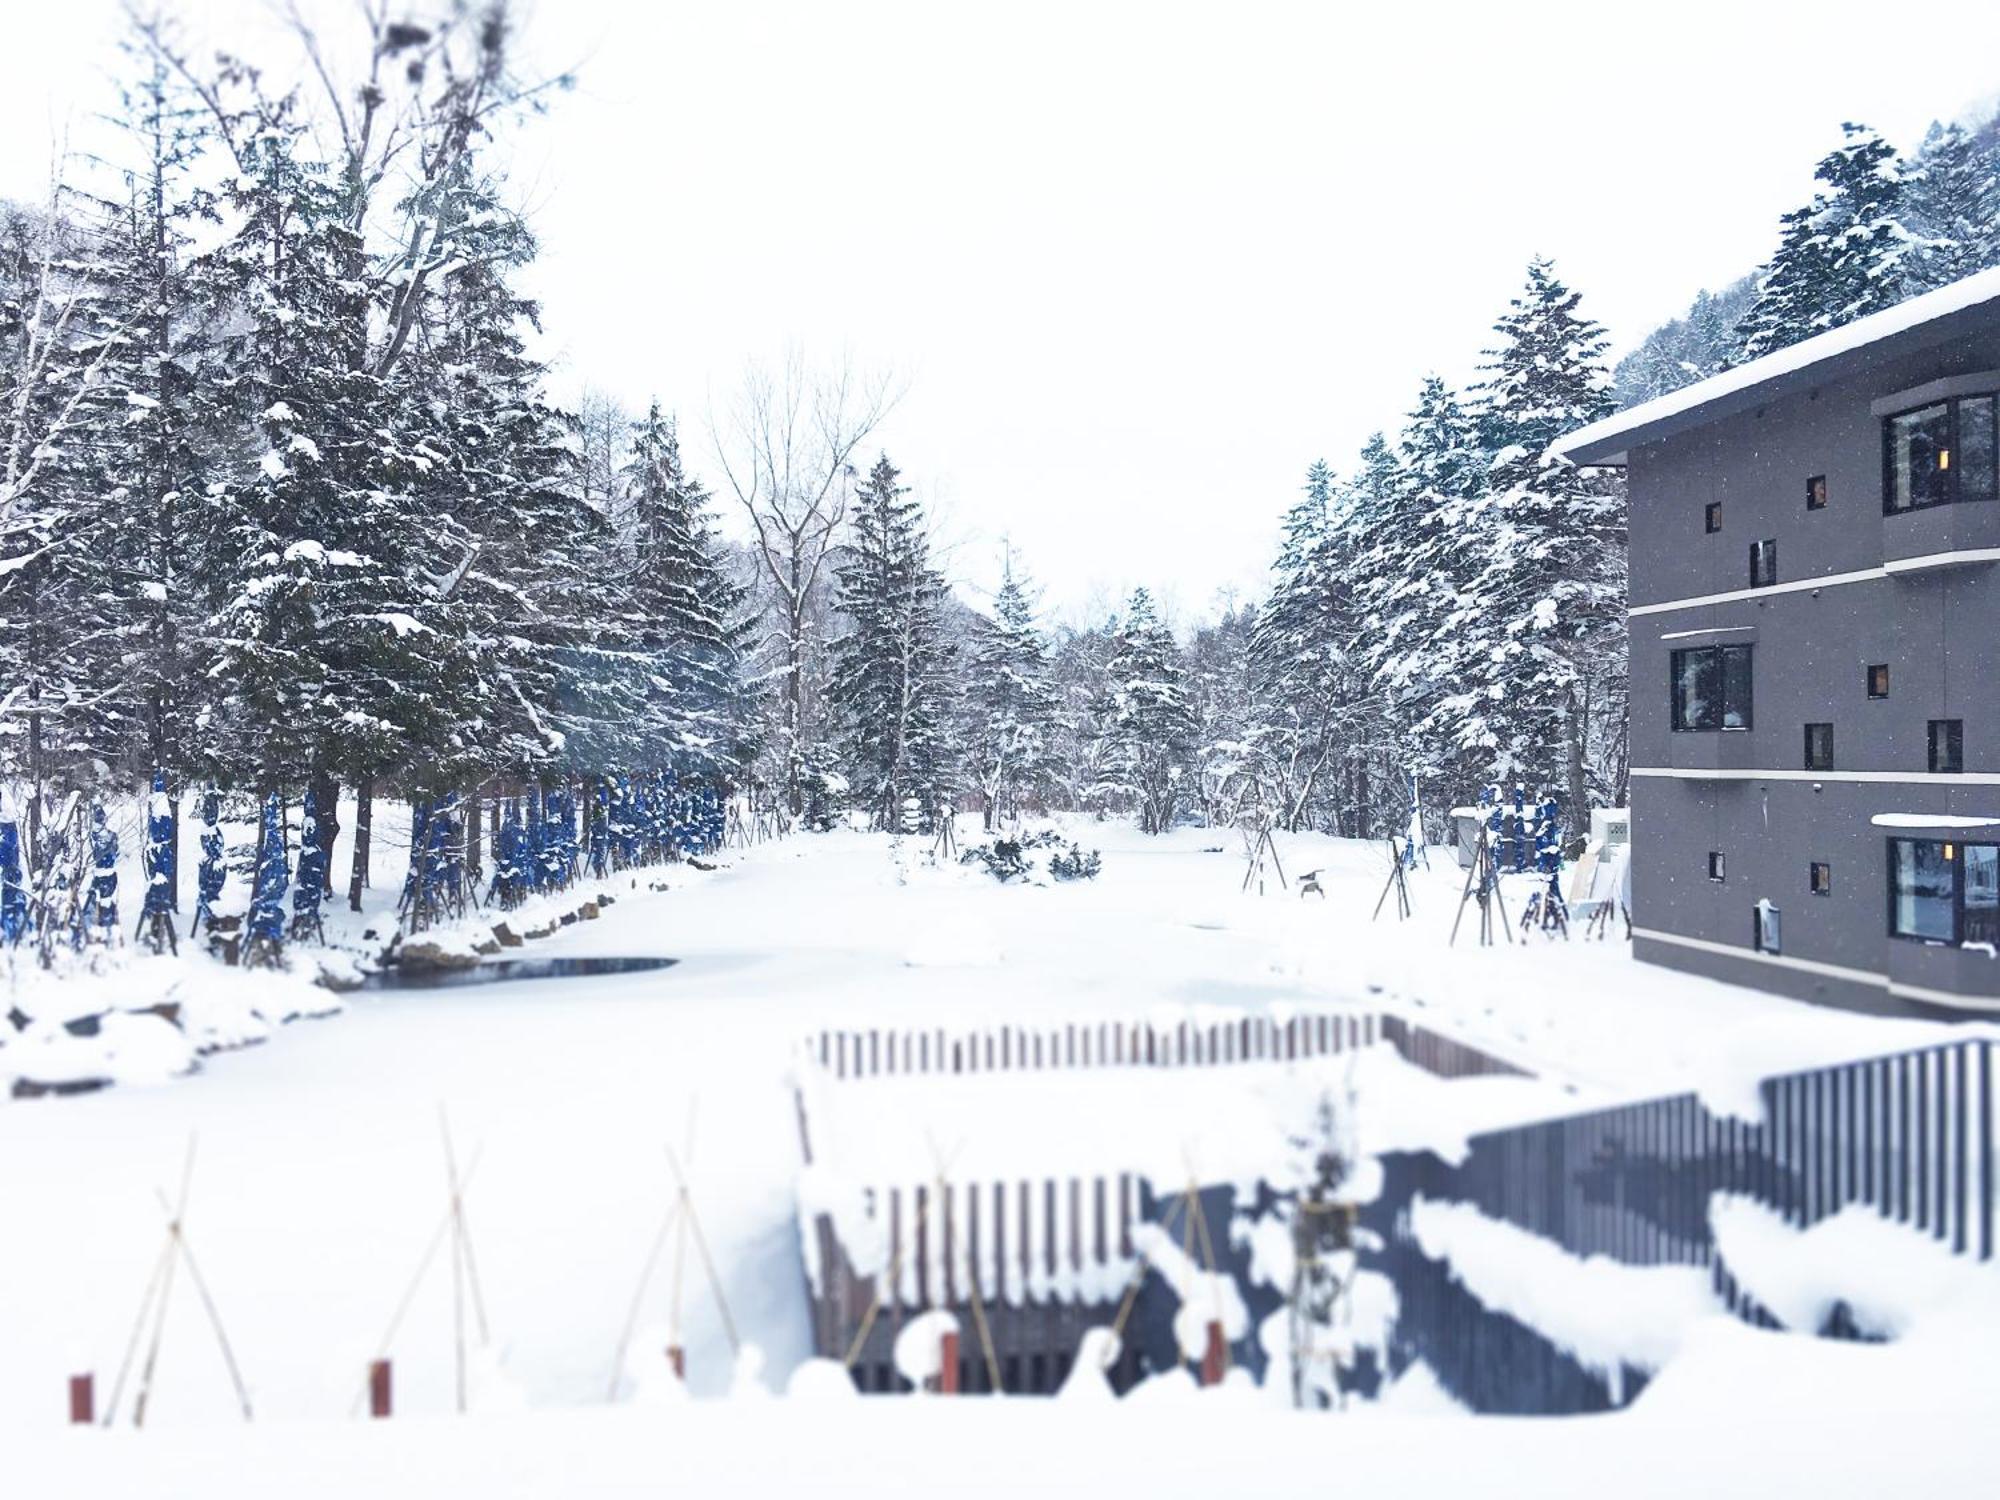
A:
(1579, 791)
(326, 793)
(364, 827)
(472, 838)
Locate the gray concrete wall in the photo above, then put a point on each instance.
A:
(1938, 629)
(1757, 464)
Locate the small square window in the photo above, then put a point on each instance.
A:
(1711, 518)
(1822, 879)
(1715, 871)
(1764, 563)
(1816, 492)
(1948, 746)
(1766, 931)
(1819, 747)
(1878, 680)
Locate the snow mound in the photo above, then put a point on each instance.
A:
(920, 1348)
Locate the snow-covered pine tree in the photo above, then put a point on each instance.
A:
(1010, 702)
(1148, 721)
(688, 609)
(893, 684)
(314, 533)
(1685, 349)
(1840, 256)
(1227, 770)
(159, 454)
(1536, 630)
(1079, 671)
(57, 617)
(1300, 656)
(1429, 545)
(1952, 208)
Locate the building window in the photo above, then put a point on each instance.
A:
(1711, 518)
(1944, 892)
(1764, 563)
(1715, 865)
(1822, 878)
(1819, 747)
(1948, 746)
(1878, 680)
(1816, 492)
(1711, 688)
(1766, 931)
(1940, 454)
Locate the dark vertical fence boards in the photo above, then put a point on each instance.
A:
(1911, 1136)
(858, 1054)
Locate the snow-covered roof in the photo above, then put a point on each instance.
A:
(1911, 324)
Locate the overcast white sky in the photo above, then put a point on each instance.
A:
(1138, 264)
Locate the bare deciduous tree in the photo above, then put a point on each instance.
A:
(786, 447)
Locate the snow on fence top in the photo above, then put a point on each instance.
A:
(1606, 441)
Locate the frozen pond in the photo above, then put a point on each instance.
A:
(506, 970)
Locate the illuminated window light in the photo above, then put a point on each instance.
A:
(1944, 459)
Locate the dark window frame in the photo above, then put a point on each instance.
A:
(1873, 668)
(1819, 878)
(1822, 762)
(1764, 563)
(1711, 517)
(1816, 492)
(1954, 744)
(1676, 717)
(1954, 444)
(1777, 914)
(1718, 866)
(1958, 857)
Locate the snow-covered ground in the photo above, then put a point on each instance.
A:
(319, 1180)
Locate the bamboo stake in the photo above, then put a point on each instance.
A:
(416, 1281)
(146, 1373)
(972, 1276)
(638, 1297)
(178, 1233)
(138, 1331)
(457, 1265)
(681, 1234)
(707, 1261)
(893, 1276)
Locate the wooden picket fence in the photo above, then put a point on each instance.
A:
(888, 1051)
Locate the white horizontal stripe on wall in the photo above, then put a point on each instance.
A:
(1777, 960)
(1829, 580)
(1918, 778)
(1823, 970)
(1943, 559)
(1736, 595)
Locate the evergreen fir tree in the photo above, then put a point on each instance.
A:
(1952, 193)
(1537, 617)
(892, 690)
(1840, 256)
(688, 608)
(1299, 653)
(1010, 703)
(1147, 717)
(1434, 544)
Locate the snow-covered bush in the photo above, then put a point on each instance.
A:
(1034, 858)
(1074, 864)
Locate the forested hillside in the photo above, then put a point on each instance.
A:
(1881, 227)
